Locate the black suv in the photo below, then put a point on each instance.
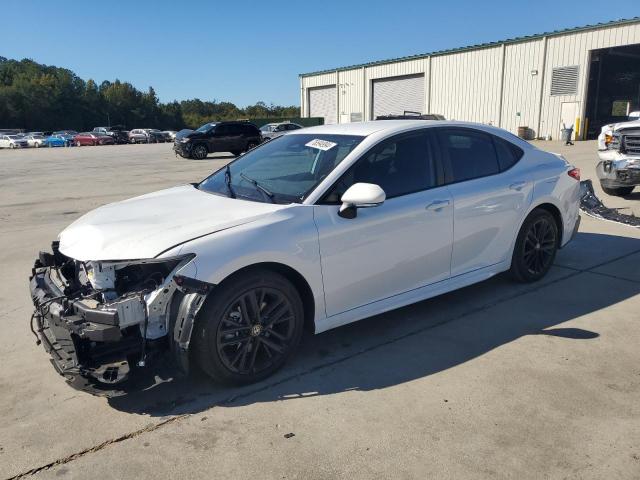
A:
(234, 137)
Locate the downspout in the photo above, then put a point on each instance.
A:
(364, 94)
(429, 86)
(542, 77)
(338, 96)
(504, 49)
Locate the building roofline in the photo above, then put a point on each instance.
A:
(526, 38)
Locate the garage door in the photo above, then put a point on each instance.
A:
(392, 96)
(323, 103)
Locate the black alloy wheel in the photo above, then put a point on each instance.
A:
(199, 152)
(255, 331)
(248, 328)
(536, 247)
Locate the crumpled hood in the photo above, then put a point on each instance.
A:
(145, 226)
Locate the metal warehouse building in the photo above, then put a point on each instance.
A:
(585, 76)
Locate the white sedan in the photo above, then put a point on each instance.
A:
(35, 140)
(315, 229)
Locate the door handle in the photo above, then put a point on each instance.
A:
(517, 186)
(437, 205)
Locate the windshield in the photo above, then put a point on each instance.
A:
(206, 127)
(268, 128)
(285, 169)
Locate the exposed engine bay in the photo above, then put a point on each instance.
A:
(100, 320)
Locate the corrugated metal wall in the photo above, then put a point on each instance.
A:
(485, 85)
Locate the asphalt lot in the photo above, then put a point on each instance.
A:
(496, 380)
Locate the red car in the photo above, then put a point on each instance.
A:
(92, 138)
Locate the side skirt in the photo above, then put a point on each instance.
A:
(412, 296)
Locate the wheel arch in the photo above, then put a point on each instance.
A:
(555, 213)
(297, 280)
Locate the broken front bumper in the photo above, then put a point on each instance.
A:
(619, 173)
(85, 341)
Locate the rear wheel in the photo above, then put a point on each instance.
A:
(617, 192)
(78, 144)
(536, 247)
(235, 153)
(251, 145)
(249, 327)
(199, 152)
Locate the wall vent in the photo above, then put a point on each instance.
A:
(564, 80)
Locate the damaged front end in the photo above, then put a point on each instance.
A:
(100, 320)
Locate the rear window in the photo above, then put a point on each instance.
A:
(508, 153)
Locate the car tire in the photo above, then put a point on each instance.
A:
(78, 144)
(235, 153)
(37, 145)
(617, 192)
(199, 152)
(536, 247)
(235, 348)
(251, 145)
(11, 145)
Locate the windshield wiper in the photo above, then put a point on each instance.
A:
(259, 187)
(227, 181)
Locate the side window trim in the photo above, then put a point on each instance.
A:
(433, 150)
(446, 159)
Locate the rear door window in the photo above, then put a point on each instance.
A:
(508, 153)
(468, 154)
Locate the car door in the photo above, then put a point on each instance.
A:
(401, 245)
(4, 141)
(490, 195)
(219, 139)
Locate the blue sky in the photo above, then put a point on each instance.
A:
(245, 51)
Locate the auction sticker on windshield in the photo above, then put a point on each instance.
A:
(321, 144)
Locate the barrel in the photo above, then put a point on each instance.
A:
(522, 132)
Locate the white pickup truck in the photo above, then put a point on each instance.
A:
(619, 152)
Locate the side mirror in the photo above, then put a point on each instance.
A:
(360, 195)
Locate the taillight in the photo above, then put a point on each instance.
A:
(574, 173)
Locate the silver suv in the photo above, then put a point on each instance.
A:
(273, 130)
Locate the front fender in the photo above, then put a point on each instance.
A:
(287, 237)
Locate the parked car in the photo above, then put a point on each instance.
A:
(155, 135)
(93, 138)
(72, 133)
(119, 134)
(169, 135)
(319, 228)
(58, 140)
(234, 137)
(34, 140)
(273, 130)
(13, 141)
(619, 152)
(138, 135)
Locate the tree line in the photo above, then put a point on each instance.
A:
(34, 96)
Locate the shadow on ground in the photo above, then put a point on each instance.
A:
(408, 343)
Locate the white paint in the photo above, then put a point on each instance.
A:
(398, 252)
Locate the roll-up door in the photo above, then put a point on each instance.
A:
(394, 96)
(323, 103)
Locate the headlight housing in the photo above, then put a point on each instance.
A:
(612, 141)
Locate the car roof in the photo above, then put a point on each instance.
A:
(383, 128)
